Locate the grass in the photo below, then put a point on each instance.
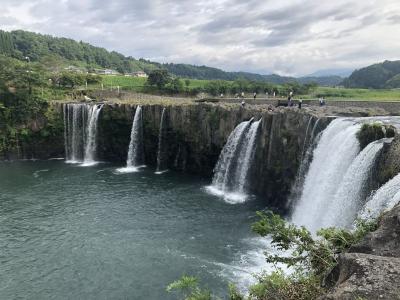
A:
(330, 93)
(129, 83)
(136, 84)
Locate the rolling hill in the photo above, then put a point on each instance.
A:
(57, 53)
(376, 76)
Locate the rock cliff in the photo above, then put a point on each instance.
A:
(371, 269)
(196, 134)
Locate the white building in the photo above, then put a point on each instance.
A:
(139, 74)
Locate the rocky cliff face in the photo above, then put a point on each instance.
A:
(371, 269)
(196, 134)
(40, 137)
(388, 164)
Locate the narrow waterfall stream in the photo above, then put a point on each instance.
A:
(231, 170)
(162, 143)
(383, 199)
(135, 158)
(80, 133)
(90, 145)
(247, 153)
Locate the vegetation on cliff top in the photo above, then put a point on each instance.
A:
(22, 106)
(374, 131)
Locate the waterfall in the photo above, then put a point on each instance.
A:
(338, 179)
(306, 136)
(335, 152)
(91, 131)
(306, 158)
(135, 158)
(66, 128)
(351, 193)
(231, 171)
(77, 130)
(80, 132)
(243, 168)
(383, 199)
(161, 160)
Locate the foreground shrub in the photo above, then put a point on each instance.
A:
(310, 259)
(189, 289)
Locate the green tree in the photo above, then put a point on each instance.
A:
(175, 86)
(71, 80)
(158, 78)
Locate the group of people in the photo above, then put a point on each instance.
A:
(241, 95)
(290, 101)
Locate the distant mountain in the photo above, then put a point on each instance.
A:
(377, 76)
(204, 72)
(332, 72)
(58, 53)
(322, 81)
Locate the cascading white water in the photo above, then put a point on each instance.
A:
(242, 170)
(80, 131)
(231, 171)
(383, 199)
(135, 158)
(221, 170)
(77, 132)
(349, 197)
(66, 128)
(91, 135)
(306, 158)
(161, 168)
(306, 137)
(333, 155)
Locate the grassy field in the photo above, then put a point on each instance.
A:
(355, 94)
(128, 83)
(136, 84)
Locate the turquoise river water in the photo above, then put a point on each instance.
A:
(69, 232)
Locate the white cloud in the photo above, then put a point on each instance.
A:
(288, 37)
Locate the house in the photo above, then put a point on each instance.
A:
(106, 72)
(139, 74)
(75, 69)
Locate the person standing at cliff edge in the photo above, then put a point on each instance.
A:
(290, 99)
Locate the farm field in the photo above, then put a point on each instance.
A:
(136, 84)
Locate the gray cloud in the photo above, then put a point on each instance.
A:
(291, 37)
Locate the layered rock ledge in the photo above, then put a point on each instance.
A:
(371, 269)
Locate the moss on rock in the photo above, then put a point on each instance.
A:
(369, 133)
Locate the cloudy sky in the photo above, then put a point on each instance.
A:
(288, 37)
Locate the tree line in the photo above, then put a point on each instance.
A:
(162, 81)
(53, 52)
